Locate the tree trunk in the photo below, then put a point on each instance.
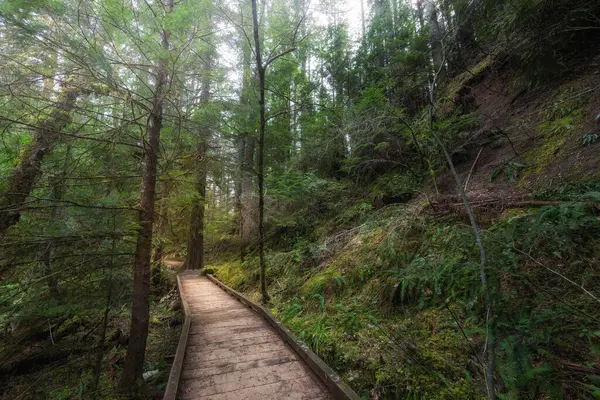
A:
(237, 223)
(261, 153)
(249, 206)
(24, 176)
(464, 34)
(362, 20)
(97, 371)
(131, 378)
(50, 277)
(195, 246)
(435, 38)
(58, 187)
(163, 208)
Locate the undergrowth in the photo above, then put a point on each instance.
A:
(67, 369)
(395, 304)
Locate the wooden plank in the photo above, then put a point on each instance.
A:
(200, 340)
(221, 316)
(236, 345)
(209, 385)
(337, 388)
(206, 338)
(226, 321)
(272, 343)
(277, 358)
(295, 389)
(218, 330)
(175, 374)
(220, 362)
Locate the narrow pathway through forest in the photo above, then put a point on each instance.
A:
(233, 353)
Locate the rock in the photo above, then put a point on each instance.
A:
(174, 322)
(150, 374)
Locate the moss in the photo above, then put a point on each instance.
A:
(468, 77)
(232, 274)
(540, 158)
(70, 325)
(462, 81)
(327, 282)
(563, 115)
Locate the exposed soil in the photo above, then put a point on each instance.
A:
(508, 132)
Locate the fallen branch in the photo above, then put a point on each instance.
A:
(581, 368)
(472, 169)
(503, 204)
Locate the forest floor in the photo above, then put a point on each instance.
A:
(70, 374)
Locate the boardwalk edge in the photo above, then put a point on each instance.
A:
(332, 381)
(175, 375)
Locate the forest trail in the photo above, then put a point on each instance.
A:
(233, 353)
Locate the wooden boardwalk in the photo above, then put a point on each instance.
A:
(234, 353)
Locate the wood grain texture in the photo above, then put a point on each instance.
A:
(233, 353)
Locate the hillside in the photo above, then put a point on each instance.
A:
(383, 282)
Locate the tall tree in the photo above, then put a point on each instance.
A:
(435, 38)
(195, 247)
(247, 143)
(260, 68)
(140, 309)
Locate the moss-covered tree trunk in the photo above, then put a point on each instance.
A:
(24, 176)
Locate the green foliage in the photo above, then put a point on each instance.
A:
(573, 191)
(561, 116)
(365, 285)
(511, 169)
(377, 311)
(522, 376)
(294, 186)
(430, 275)
(543, 38)
(396, 186)
(590, 138)
(559, 231)
(235, 274)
